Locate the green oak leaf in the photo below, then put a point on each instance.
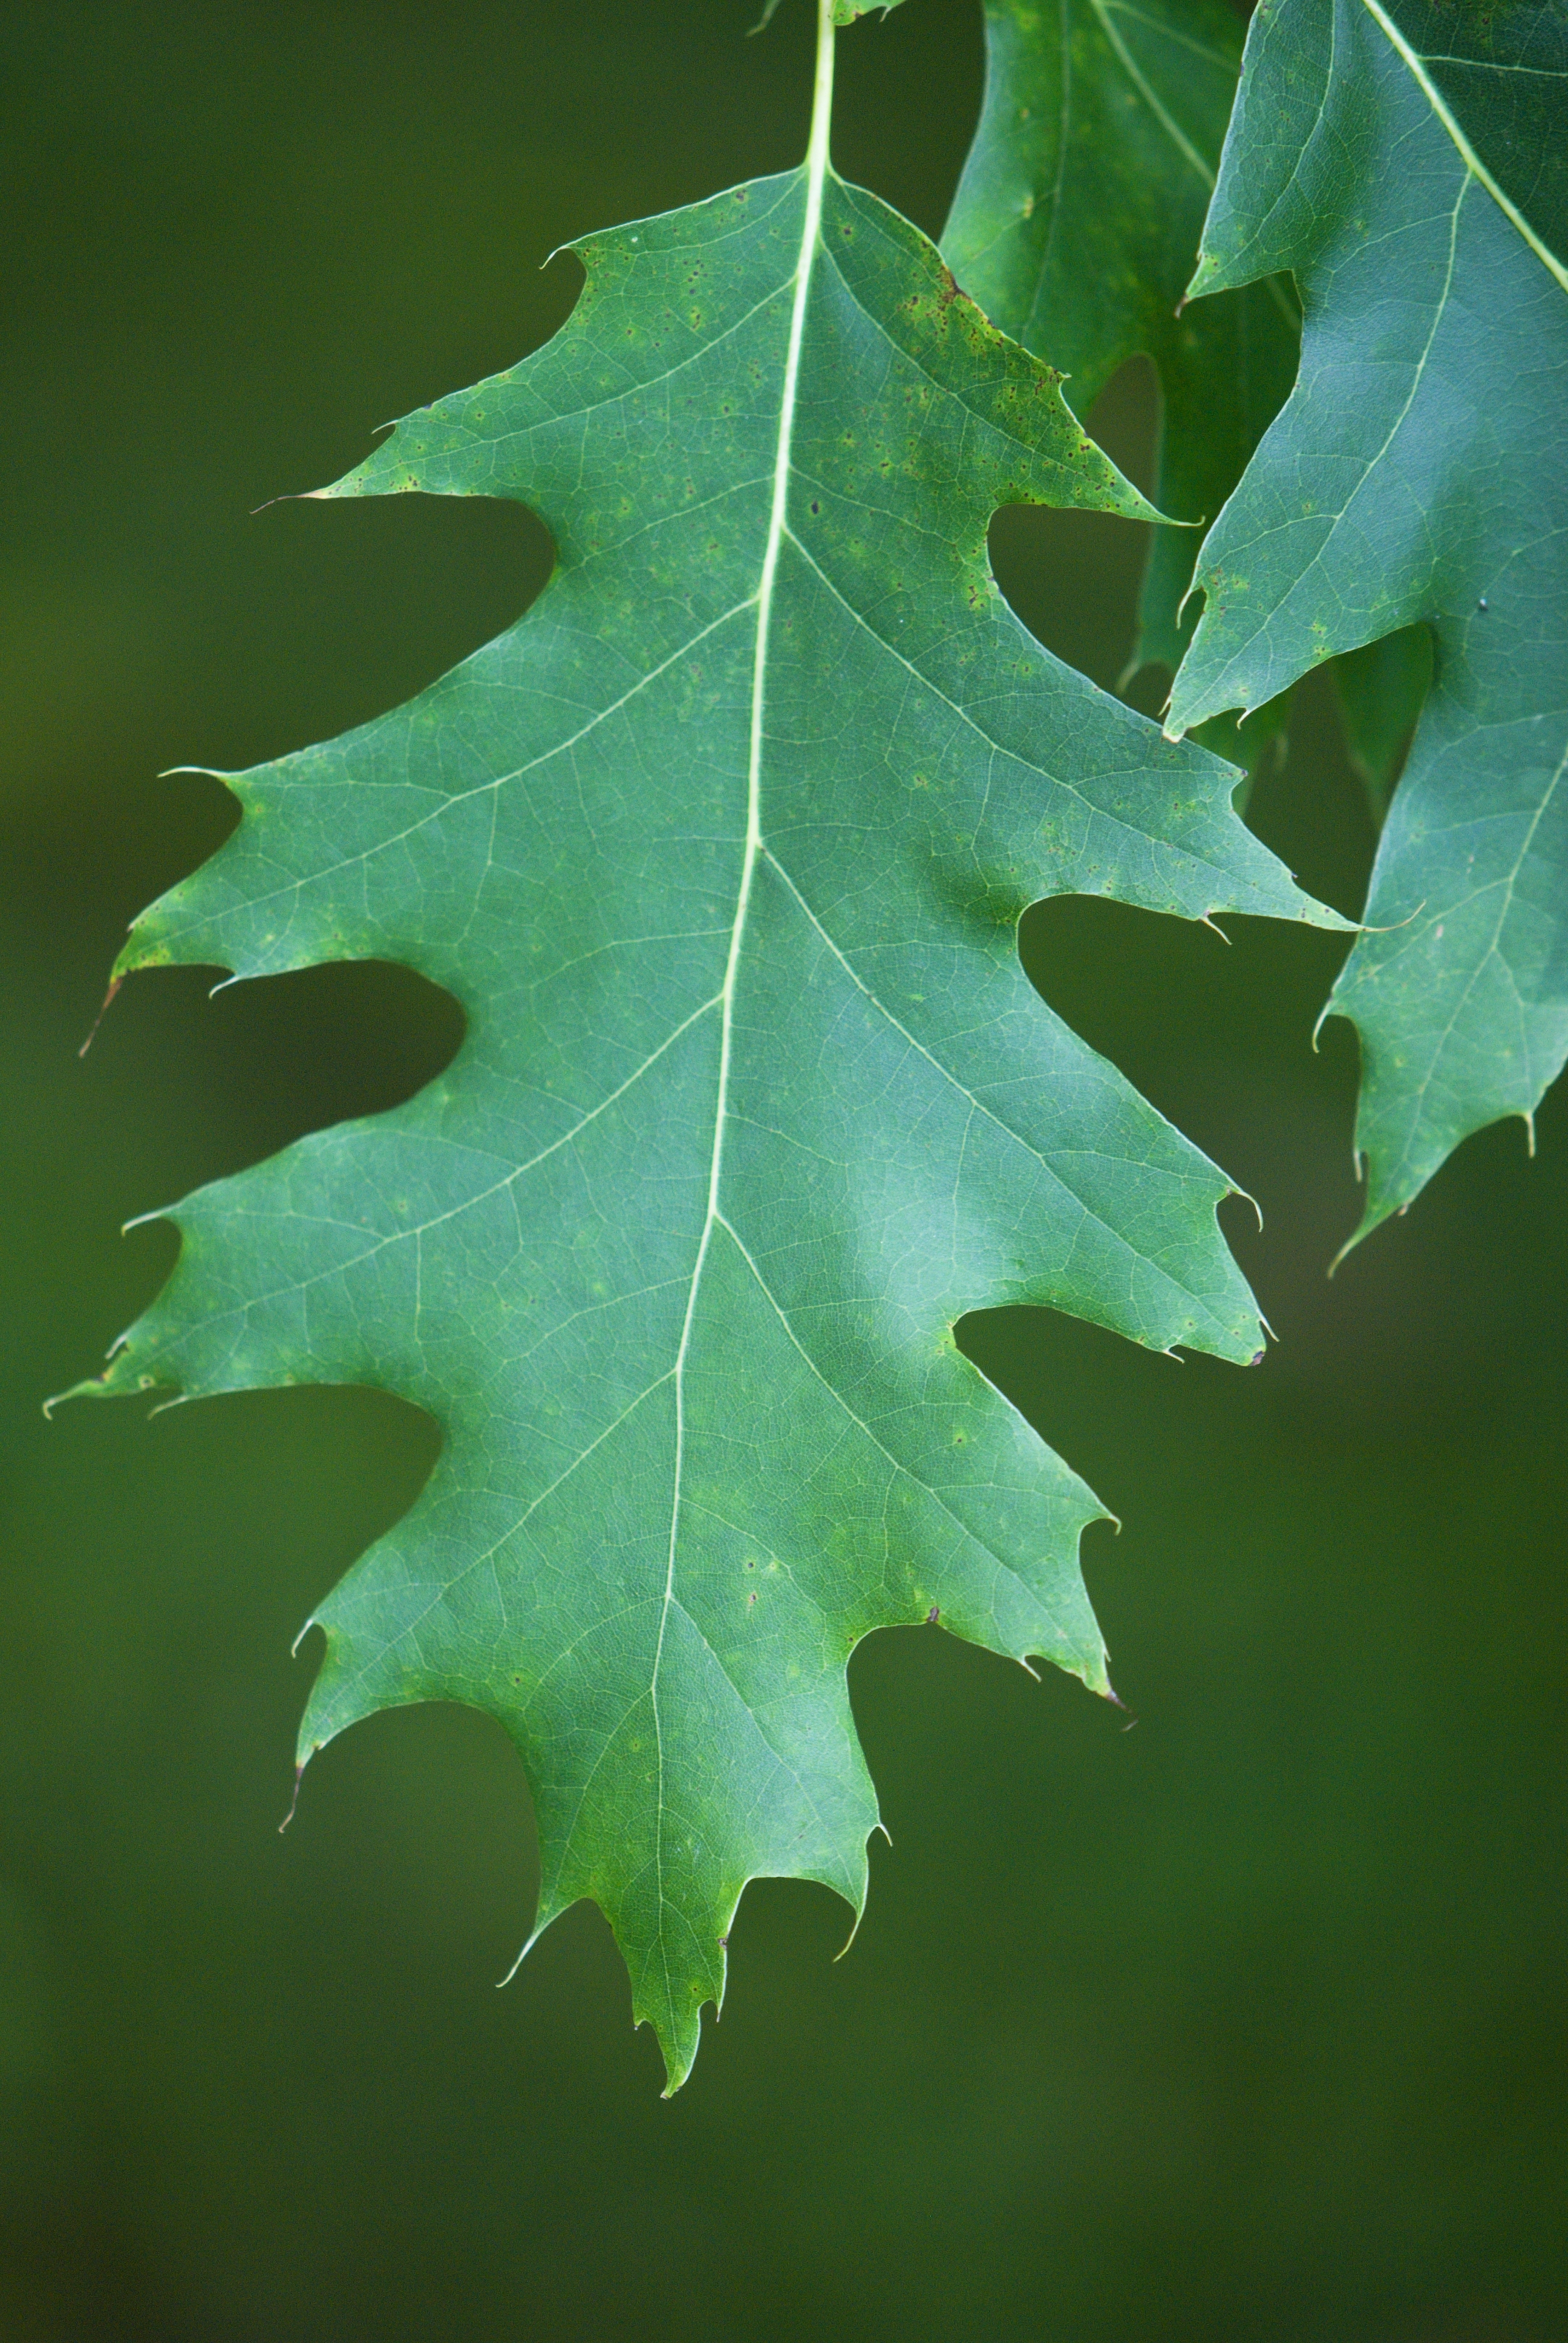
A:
(722, 849)
(1076, 226)
(1392, 155)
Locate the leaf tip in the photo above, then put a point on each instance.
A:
(1114, 1700)
(114, 985)
(858, 1912)
(294, 1801)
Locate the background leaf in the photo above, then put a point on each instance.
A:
(1075, 228)
(1415, 475)
(1381, 687)
(722, 849)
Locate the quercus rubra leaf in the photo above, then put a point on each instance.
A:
(1409, 162)
(1075, 228)
(722, 849)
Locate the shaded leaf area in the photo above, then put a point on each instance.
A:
(1382, 689)
(1499, 70)
(721, 849)
(1076, 226)
(1415, 476)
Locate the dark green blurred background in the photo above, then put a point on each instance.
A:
(1248, 2023)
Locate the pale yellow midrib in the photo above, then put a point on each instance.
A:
(817, 167)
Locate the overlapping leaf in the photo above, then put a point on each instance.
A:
(1409, 161)
(722, 849)
(1076, 226)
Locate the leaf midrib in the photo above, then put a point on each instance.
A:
(817, 169)
(1167, 121)
(1415, 65)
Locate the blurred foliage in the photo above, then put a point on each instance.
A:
(1248, 2023)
